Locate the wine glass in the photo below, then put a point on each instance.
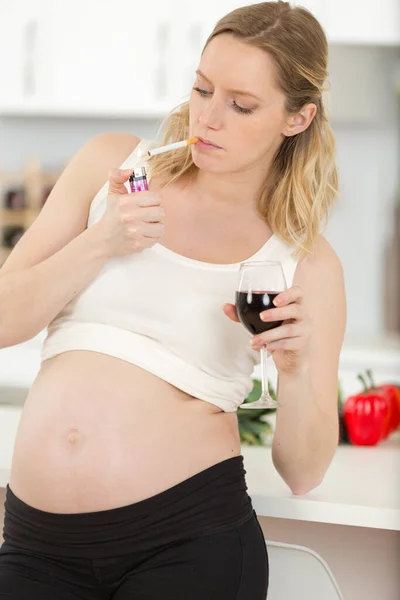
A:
(259, 283)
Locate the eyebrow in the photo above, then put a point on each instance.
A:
(239, 92)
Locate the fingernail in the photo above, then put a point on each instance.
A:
(277, 301)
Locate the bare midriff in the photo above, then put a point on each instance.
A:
(97, 433)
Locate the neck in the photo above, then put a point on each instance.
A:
(239, 189)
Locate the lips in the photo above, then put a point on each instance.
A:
(208, 142)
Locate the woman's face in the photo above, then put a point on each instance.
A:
(236, 104)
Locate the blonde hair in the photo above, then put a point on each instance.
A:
(302, 183)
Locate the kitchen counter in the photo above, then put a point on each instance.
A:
(20, 364)
(361, 488)
(352, 520)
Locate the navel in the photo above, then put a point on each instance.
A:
(73, 437)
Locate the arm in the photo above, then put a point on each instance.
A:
(307, 359)
(57, 256)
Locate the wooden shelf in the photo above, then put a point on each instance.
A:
(34, 183)
(10, 217)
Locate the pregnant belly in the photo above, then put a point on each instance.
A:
(98, 433)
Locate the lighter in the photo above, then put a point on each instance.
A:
(138, 180)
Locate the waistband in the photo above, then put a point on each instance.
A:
(210, 501)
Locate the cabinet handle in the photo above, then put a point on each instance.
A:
(30, 39)
(196, 38)
(160, 72)
(194, 43)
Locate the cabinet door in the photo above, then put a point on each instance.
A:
(24, 55)
(179, 31)
(84, 57)
(170, 49)
(360, 22)
(102, 56)
(199, 24)
(344, 21)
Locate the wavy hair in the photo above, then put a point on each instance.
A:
(302, 183)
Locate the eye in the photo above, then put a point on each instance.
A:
(239, 109)
(245, 111)
(201, 92)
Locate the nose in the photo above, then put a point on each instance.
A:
(211, 116)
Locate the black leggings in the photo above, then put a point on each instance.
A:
(198, 540)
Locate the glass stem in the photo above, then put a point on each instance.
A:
(264, 376)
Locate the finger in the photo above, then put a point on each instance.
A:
(146, 199)
(284, 331)
(131, 212)
(116, 180)
(140, 199)
(290, 344)
(293, 294)
(231, 312)
(152, 230)
(154, 214)
(291, 311)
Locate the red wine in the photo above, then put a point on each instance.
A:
(249, 305)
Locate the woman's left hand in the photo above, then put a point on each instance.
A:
(288, 344)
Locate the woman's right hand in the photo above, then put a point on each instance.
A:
(132, 221)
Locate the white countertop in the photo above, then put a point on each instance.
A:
(20, 364)
(361, 487)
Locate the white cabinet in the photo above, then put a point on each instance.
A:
(357, 21)
(91, 58)
(344, 21)
(130, 58)
(25, 56)
(85, 57)
(360, 22)
(101, 60)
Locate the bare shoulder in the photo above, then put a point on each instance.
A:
(320, 267)
(103, 152)
(320, 275)
(118, 142)
(89, 168)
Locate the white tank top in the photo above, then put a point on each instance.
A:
(163, 312)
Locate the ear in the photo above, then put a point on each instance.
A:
(298, 122)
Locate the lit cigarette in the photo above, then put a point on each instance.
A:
(173, 146)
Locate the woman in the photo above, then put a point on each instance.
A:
(127, 478)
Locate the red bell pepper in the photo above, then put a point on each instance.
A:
(366, 416)
(393, 395)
